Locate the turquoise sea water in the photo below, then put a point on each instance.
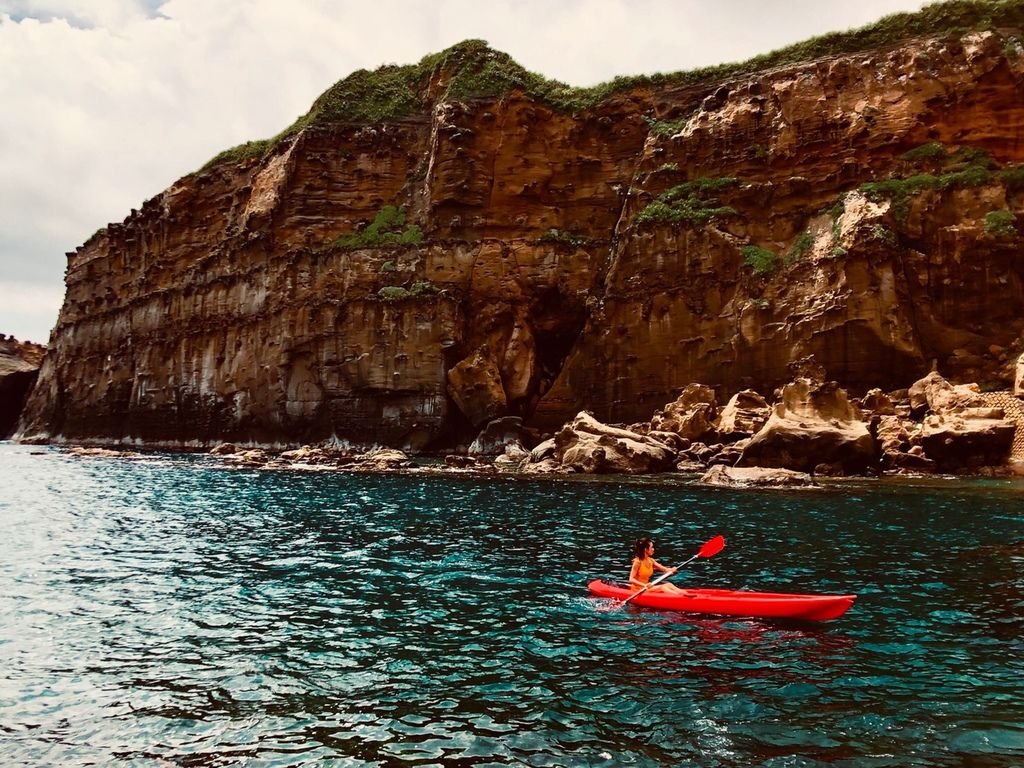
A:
(168, 612)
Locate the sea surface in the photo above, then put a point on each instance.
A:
(171, 612)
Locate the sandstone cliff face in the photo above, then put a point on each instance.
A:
(541, 279)
(875, 290)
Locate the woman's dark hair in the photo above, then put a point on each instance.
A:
(640, 547)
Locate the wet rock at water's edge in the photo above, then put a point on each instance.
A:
(756, 477)
(587, 445)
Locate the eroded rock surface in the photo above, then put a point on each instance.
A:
(756, 477)
(691, 416)
(934, 393)
(499, 435)
(743, 416)
(813, 425)
(958, 441)
(587, 445)
(899, 444)
(475, 386)
(960, 430)
(877, 403)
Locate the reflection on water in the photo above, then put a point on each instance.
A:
(166, 610)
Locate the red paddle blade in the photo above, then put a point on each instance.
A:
(712, 547)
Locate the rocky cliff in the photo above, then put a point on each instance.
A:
(19, 366)
(435, 246)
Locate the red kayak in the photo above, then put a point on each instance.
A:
(728, 602)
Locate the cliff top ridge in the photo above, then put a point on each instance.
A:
(472, 69)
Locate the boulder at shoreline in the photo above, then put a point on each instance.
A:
(756, 477)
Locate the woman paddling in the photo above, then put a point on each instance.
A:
(644, 565)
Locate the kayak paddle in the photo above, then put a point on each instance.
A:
(711, 547)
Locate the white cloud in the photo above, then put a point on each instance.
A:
(30, 305)
(107, 102)
(90, 14)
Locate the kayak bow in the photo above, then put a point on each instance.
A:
(728, 602)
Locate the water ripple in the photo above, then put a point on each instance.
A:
(166, 612)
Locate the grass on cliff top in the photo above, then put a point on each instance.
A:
(471, 69)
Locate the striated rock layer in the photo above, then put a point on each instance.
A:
(859, 208)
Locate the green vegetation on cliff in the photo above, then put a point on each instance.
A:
(664, 128)
(691, 202)
(801, 245)
(1001, 223)
(1012, 178)
(566, 238)
(400, 293)
(761, 260)
(931, 151)
(387, 228)
(966, 167)
(471, 69)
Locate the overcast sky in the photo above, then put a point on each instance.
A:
(105, 103)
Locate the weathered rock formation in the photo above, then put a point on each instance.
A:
(19, 366)
(412, 261)
(756, 477)
(877, 403)
(586, 445)
(498, 435)
(814, 427)
(962, 441)
(692, 415)
(934, 393)
(743, 416)
(960, 431)
(314, 457)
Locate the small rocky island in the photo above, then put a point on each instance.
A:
(809, 262)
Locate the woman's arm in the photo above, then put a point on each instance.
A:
(633, 574)
(663, 568)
